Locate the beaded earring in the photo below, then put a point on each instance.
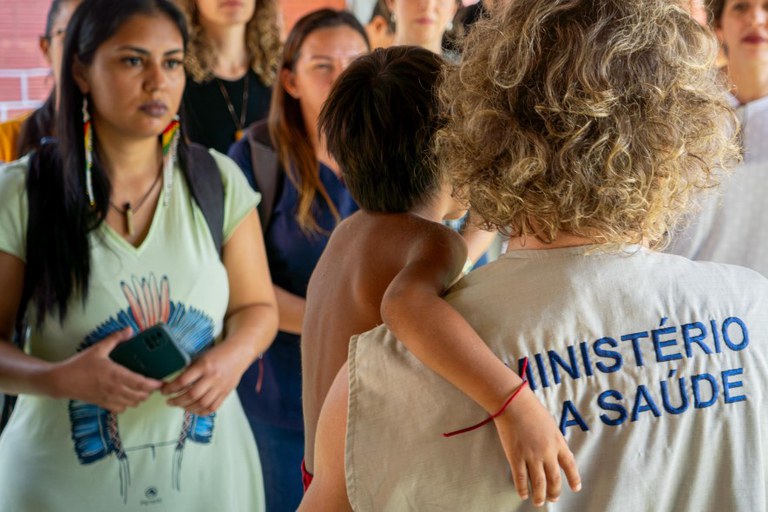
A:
(170, 143)
(88, 142)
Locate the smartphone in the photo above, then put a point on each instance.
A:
(153, 353)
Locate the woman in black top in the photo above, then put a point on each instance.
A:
(231, 62)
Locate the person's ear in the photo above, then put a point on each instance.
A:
(80, 75)
(721, 39)
(379, 25)
(45, 45)
(288, 81)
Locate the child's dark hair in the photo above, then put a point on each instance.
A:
(379, 122)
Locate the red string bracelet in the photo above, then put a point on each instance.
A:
(500, 411)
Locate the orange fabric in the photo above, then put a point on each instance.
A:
(9, 138)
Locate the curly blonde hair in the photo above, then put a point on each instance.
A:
(596, 118)
(262, 38)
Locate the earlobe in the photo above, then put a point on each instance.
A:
(79, 73)
(379, 24)
(721, 40)
(44, 45)
(288, 80)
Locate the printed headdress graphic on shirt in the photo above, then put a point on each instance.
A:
(95, 431)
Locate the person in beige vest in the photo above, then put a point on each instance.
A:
(582, 128)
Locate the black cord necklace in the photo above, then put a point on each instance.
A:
(128, 210)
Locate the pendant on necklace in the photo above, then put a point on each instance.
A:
(129, 219)
(238, 135)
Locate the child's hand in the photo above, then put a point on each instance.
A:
(535, 449)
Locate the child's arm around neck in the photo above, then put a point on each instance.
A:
(444, 341)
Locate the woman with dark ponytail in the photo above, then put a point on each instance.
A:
(100, 238)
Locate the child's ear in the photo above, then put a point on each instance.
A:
(288, 81)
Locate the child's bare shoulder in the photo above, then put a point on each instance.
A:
(410, 230)
(437, 238)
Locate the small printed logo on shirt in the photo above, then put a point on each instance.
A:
(152, 495)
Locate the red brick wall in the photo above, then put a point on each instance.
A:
(24, 78)
(23, 71)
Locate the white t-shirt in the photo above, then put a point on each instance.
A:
(732, 226)
(612, 336)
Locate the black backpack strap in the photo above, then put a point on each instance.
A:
(266, 169)
(204, 179)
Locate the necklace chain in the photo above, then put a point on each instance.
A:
(239, 123)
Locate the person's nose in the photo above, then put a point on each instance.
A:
(155, 77)
(338, 69)
(424, 5)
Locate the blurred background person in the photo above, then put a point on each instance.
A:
(22, 134)
(233, 54)
(422, 22)
(732, 226)
(380, 28)
(310, 201)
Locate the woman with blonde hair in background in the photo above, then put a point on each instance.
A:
(234, 50)
(303, 204)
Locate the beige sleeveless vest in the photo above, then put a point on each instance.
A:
(655, 367)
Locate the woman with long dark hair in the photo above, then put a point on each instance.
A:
(309, 201)
(100, 238)
(21, 135)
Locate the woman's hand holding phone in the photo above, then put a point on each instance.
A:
(91, 376)
(203, 386)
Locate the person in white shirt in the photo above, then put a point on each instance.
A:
(732, 225)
